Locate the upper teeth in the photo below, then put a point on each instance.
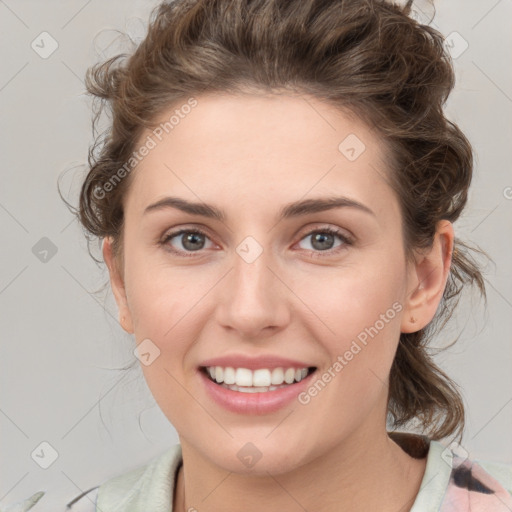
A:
(260, 378)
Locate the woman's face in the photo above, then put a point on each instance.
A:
(265, 282)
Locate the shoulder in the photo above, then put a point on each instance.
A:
(455, 482)
(479, 485)
(501, 472)
(470, 484)
(142, 487)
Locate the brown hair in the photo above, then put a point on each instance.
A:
(367, 57)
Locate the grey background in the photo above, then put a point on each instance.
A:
(61, 343)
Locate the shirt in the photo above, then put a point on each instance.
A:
(451, 482)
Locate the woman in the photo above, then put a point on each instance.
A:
(276, 199)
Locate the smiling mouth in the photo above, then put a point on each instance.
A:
(256, 381)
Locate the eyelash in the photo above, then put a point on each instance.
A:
(317, 254)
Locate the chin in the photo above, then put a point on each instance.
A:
(259, 458)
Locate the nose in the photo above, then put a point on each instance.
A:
(254, 298)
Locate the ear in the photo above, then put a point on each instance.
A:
(117, 284)
(427, 280)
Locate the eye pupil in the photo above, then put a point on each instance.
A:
(322, 238)
(192, 238)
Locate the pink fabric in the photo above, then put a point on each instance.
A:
(472, 489)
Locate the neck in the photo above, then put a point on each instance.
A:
(355, 476)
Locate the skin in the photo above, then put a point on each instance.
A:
(249, 155)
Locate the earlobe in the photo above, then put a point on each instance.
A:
(117, 285)
(428, 280)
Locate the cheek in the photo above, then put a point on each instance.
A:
(163, 307)
(165, 311)
(365, 317)
(163, 300)
(360, 328)
(356, 302)
(174, 398)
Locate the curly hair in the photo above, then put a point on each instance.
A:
(366, 57)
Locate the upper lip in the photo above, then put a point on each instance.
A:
(254, 363)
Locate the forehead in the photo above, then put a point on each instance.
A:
(259, 149)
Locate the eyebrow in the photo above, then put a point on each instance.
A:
(295, 209)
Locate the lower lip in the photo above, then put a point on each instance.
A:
(254, 403)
